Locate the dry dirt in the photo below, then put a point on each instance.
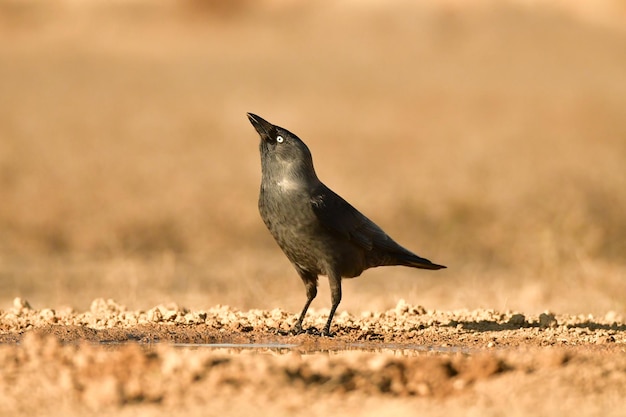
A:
(487, 136)
(170, 360)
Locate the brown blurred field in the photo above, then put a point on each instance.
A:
(489, 138)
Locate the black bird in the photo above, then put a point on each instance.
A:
(320, 232)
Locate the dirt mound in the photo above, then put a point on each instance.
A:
(110, 357)
(108, 321)
(98, 376)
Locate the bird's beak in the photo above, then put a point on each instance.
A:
(262, 126)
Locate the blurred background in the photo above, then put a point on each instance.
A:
(487, 136)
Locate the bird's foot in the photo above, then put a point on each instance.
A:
(297, 329)
(327, 333)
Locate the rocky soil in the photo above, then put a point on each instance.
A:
(172, 360)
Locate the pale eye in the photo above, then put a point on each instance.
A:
(280, 139)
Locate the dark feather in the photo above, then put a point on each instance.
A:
(340, 217)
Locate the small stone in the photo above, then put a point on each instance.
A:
(423, 389)
(612, 317)
(20, 305)
(604, 339)
(102, 392)
(459, 384)
(402, 307)
(154, 315)
(48, 315)
(419, 310)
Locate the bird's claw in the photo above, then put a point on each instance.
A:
(296, 330)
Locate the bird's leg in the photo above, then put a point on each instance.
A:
(335, 296)
(297, 328)
(310, 283)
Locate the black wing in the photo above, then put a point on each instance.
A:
(338, 215)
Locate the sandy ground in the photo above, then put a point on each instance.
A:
(170, 360)
(487, 136)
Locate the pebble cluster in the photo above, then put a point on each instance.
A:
(463, 348)
(98, 377)
(403, 324)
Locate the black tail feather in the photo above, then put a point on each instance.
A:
(415, 261)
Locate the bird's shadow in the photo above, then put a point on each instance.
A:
(312, 331)
(494, 326)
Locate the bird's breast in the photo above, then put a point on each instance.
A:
(286, 185)
(288, 214)
(285, 205)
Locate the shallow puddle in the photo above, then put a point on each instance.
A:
(284, 348)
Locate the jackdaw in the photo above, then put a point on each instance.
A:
(320, 232)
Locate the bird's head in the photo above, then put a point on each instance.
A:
(284, 157)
